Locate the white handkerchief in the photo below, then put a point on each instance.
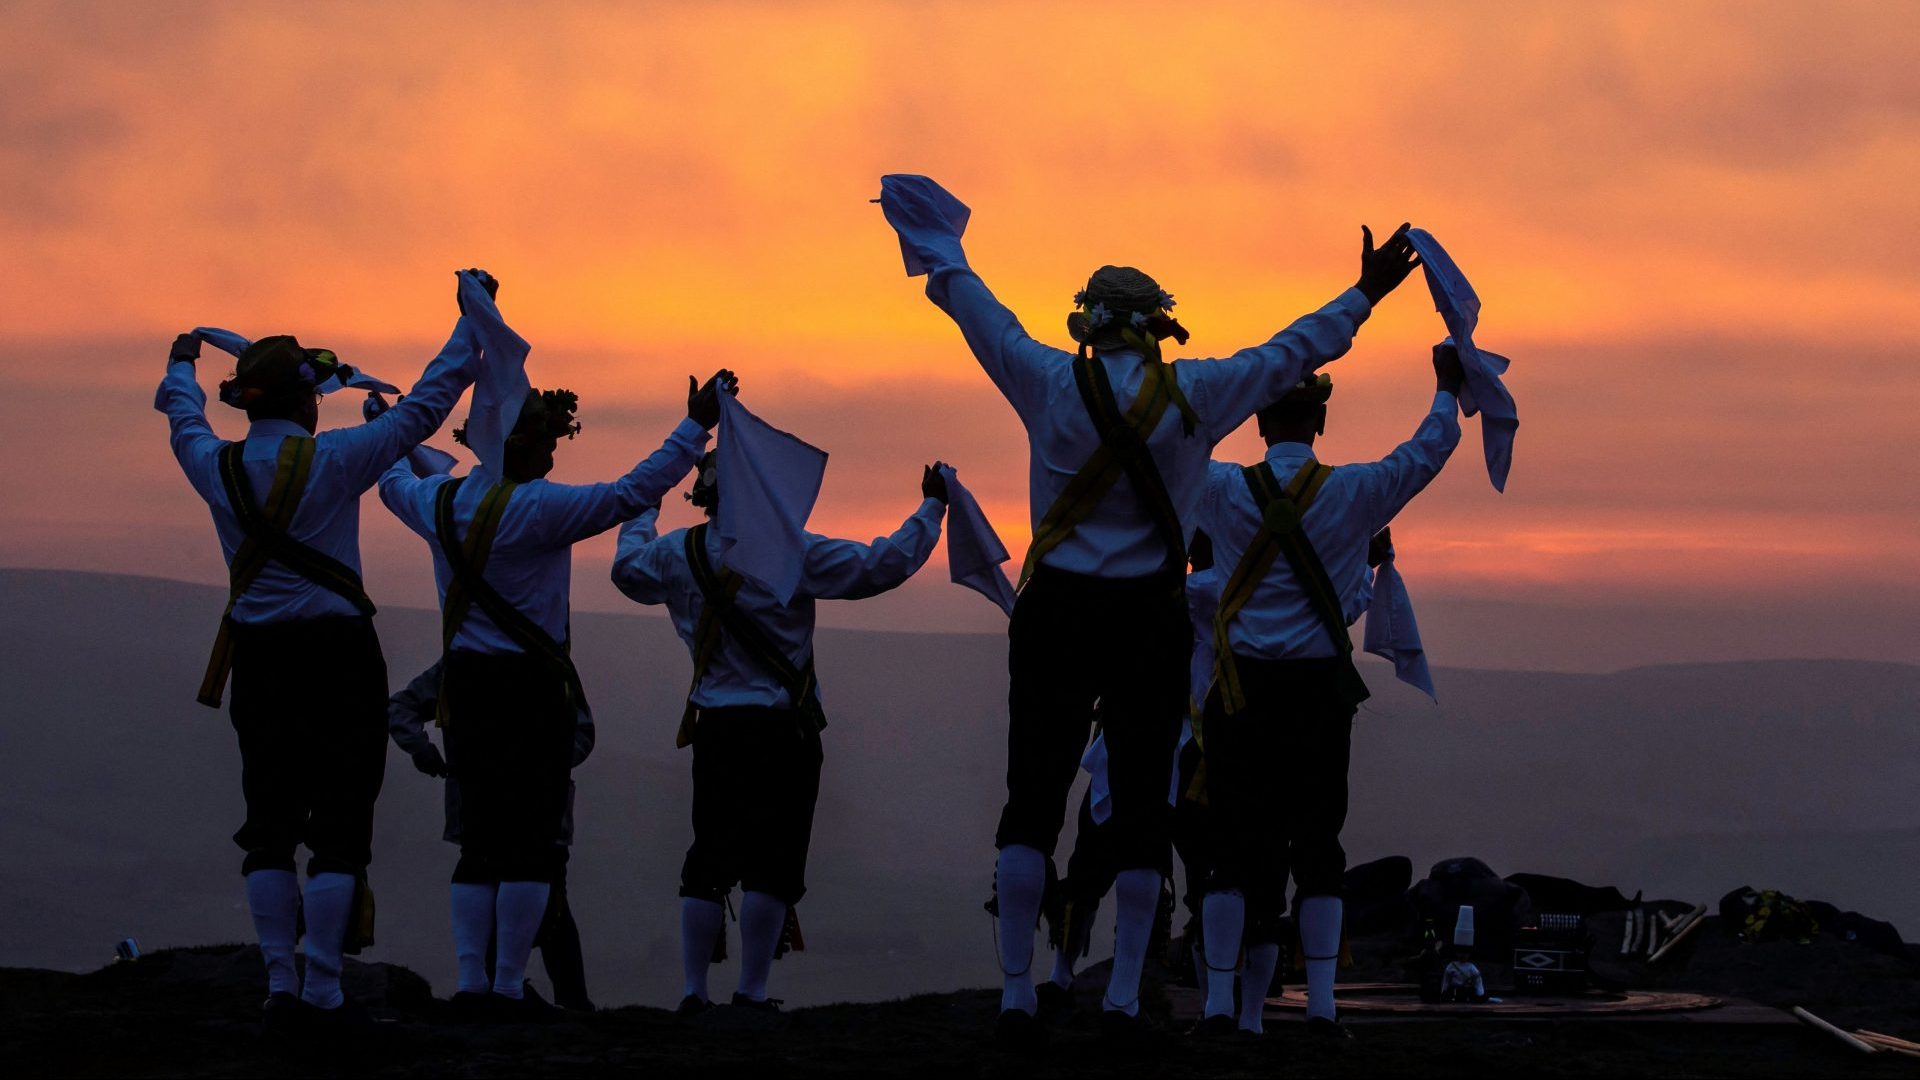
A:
(768, 481)
(974, 550)
(500, 391)
(918, 208)
(1099, 791)
(1392, 633)
(1484, 393)
(233, 344)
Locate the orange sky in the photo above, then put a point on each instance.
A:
(1690, 224)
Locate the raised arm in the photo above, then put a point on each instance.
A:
(849, 570)
(1394, 480)
(367, 450)
(411, 497)
(643, 561)
(920, 211)
(180, 398)
(1228, 391)
(570, 513)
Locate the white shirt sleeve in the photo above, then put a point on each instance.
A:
(1015, 362)
(195, 446)
(1225, 392)
(849, 570)
(569, 513)
(1392, 482)
(411, 498)
(644, 560)
(367, 449)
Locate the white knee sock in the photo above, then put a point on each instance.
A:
(273, 896)
(472, 933)
(1020, 880)
(518, 910)
(762, 917)
(701, 924)
(328, 905)
(1136, 899)
(1225, 916)
(1254, 984)
(1320, 944)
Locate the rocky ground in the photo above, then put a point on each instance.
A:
(195, 1012)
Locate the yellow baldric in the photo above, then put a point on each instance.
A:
(1281, 510)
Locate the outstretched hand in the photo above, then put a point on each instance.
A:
(1448, 374)
(186, 348)
(933, 482)
(703, 402)
(1383, 269)
(487, 281)
(375, 404)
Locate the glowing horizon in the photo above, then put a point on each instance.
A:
(1687, 223)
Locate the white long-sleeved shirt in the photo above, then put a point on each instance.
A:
(1118, 540)
(1358, 500)
(531, 564)
(346, 462)
(652, 569)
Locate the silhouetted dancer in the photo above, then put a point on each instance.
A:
(1279, 717)
(309, 680)
(753, 715)
(408, 713)
(502, 541)
(1120, 442)
(1090, 869)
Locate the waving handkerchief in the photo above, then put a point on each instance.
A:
(974, 550)
(1099, 785)
(1459, 308)
(500, 391)
(340, 377)
(928, 218)
(1392, 634)
(769, 481)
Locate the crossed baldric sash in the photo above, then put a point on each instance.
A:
(267, 540)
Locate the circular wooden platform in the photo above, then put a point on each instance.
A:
(1405, 998)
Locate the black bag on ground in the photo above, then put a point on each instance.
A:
(1498, 907)
(1569, 897)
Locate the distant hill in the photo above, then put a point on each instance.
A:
(120, 792)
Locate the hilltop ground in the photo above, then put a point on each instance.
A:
(195, 1011)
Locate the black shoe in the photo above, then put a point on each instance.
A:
(1056, 1001)
(472, 1007)
(347, 1016)
(1018, 1031)
(765, 1005)
(1332, 1032)
(1124, 1031)
(1214, 1027)
(575, 1005)
(281, 1015)
(691, 1006)
(528, 1008)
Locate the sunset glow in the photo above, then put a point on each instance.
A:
(1690, 225)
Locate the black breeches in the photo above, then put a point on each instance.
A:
(1075, 641)
(756, 778)
(309, 705)
(1277, 784)
(509, 740)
